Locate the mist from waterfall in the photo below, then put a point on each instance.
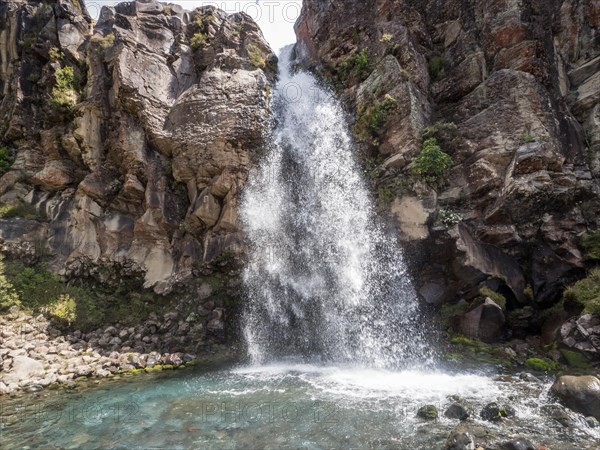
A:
(324, 282)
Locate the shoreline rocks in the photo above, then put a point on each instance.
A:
(34, 354)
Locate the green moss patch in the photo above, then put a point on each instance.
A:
(591, 245)
(586, 293)
(496, 297)
(541, 365)
(575, 359)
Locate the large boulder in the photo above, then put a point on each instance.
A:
(485, 322)
(580, 393)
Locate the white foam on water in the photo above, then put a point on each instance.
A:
(362, 383)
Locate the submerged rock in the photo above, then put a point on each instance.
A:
(581, 394)
(517, 444)
(460, 439)
(457, 411)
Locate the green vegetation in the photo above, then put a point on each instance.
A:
(445, 132)
(104, 41)
(496, 297)
(198, 40)
(449, 218)
(388, 183)
(372, 121)
(427, 412)
(541, 365)
(29, 40)
(55, 54)
(590, 243)
(431, 163)
(6, 160)
(527, 138)
(357, 66)
(34, 77)
(436, 68)
(575, 359)
(8, 295)
(434, 130)
(85, 306)
(586, 293)
(482, 352)
(528, 293)
(64, 94)
(63, 310)
(22, 210)
(463, 340)
(203, 19)
(385, 196)
(448, 311)
(256, 57)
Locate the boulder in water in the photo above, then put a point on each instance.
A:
(493, 412)
(581, 394)
(457, 411)
(460, 439)
(427, 412)
(518, 444)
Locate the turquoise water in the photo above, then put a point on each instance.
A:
(281, 406)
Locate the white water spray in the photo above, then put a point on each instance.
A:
(324, 281)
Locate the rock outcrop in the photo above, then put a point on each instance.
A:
(510, 91)
(130, 137)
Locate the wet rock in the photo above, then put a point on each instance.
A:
(457, 411)
(517, 444)
(580, 393)
(592, 422)
(460, 439)
(559, 415)
(492, 412)
(427, 412)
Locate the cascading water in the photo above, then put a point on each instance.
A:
(324, 281)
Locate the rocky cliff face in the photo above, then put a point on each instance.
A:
(128, 140)
(510, 90)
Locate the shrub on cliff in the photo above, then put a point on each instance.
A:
(256, 57)
(358, 66)
(6, 160)
(431, 163)
(198, 40)
(591, 244)
(104, 41)
(586, 293)
(8, 295)
(64, 93)
(371, 122)
(436, 68)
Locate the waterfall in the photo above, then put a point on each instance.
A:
(324, 281)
